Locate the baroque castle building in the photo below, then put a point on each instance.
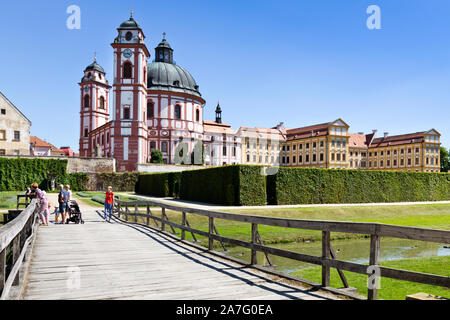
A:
(158, 105)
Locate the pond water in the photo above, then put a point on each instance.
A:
(356, 250)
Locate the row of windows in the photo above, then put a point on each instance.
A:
(100, 140)
(388, 152)
(87, 102)
(177, 112)
(3, 135)
(261, 158)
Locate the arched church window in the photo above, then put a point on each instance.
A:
(86, 101)
(127, 70)
(150, 110)
(102, 103)
(128, 36)
(197, 115)
(177, 112)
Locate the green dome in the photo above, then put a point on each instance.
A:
(94, 67)
(130, 24)
(170, 77)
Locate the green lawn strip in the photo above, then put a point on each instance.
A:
(8, 200)
(390, 289)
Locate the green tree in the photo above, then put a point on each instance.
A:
(445, 160)
(157, 156)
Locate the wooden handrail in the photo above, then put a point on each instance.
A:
(15, 237)
(326, 260)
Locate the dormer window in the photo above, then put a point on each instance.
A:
(128, 36)
(176, 83)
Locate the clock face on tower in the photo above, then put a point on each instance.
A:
(127, 53)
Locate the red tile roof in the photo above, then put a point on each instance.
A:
(409, 138)
(357, 140)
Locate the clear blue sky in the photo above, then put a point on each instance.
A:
(300, 62)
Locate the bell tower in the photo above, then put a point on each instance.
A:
(94, 106)
(130, 131)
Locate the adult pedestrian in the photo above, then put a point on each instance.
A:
(43, 204)
(62, 200)
(109, 202)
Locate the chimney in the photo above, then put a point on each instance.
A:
(374, 131)
(386, 134)
(312, 133)
(361, 133)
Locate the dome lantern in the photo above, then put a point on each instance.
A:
(164, 52)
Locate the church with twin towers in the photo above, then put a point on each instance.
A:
(153, 105)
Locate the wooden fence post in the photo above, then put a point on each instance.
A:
(148, 215)
(183, 222)
(118, 209)
(325, 255)
(163, 219)
(374, 257)
(211, 231)
(254, 258)
(136, 211)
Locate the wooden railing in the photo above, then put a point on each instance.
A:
(25, 203)
(15, 238)
(327, 260)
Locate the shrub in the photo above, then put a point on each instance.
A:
(316, 186)
(156, 156)
(237, 185)
(18, 173)
(121, 182)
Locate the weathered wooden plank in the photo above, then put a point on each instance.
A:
(254, 259)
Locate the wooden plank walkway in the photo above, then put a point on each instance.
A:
(117, 261)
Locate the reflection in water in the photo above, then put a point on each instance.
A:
(356, 251)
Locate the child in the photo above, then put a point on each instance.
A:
(56, 213)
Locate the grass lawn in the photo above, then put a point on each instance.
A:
(8, 199)
(390, 289)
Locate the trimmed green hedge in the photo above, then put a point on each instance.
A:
(229, 185)
(316, 186)
(121, 182)
(18, 173)
(236, 185)
(159, 184)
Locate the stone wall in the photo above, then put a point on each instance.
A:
(159, 168)
(91, 165)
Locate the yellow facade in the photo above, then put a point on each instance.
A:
(326, 146)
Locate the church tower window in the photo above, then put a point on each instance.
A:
(86, 101)
(102, 103)
(126, 113)
(127, 71)
(197, 115)
(128, 36)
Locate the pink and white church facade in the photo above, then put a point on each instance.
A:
(154, 105)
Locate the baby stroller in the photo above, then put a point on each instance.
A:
(74, 213)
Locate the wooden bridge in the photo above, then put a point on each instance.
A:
(128, 259)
